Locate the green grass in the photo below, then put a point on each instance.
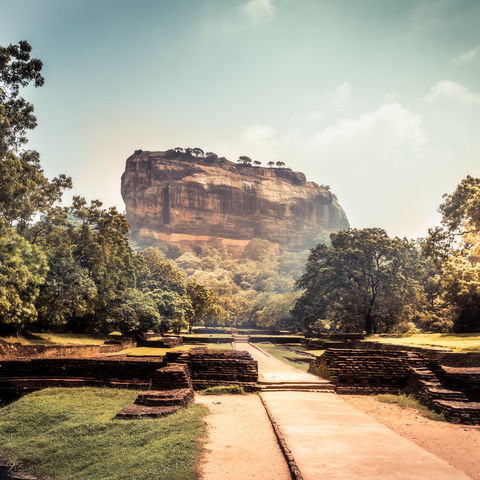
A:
(208, 335)
(408, 401)
(70, 434)
(282, 353)
(223, 390)
(282, 335)
(459, 342)
(317, 353)
(160, 352)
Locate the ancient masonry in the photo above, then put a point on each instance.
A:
(208, 368)
(171, 389)
(443, 389)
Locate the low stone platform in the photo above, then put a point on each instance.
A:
(134, 411)
(218, 367)
(172, 389)
(360, 371)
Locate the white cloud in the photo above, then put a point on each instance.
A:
(468, 57)
(258, 11)
(388, 134)
(258, 133)
(341, 94)
(371, 160)
(446, 89)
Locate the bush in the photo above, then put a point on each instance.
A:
(223, 390)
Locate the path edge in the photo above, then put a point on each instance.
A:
(292, 465)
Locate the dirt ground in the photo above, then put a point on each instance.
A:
(241, 443)
(459, 445)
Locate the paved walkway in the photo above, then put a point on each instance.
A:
(329, 439)
(231, 451)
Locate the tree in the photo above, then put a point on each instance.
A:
(23, 268)
(24, 189)
(68, 292)
(454, 248)
(271, 164)
(197, 152)
(131, 313)
(276, 313)
(244, 160)
(364, 281)
(204, 303)
(256, 163)
(280, 164)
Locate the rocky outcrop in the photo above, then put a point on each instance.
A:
(184, 199)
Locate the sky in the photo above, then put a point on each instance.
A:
(380, 99)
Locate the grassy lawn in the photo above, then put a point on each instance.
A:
(408, 401)
(58, 339)
(317, 353)
(460, 342)
(208, 335)
(70, 434)
(157, 352)
(283, 353)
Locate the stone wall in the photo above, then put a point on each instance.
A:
(164, 342)
(218, 367)
(21, 376)
(466, 380)
(276, 339)
(443, 389)
(356, 371)
(193, 340)
(16, 350)
(208, 368)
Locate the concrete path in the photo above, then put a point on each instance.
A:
(241, 444)
(329, 439)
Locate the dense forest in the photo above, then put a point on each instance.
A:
(72, 268)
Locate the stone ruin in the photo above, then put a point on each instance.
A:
(218, 367)
(207, 367)
(451, 391)
(171, 389)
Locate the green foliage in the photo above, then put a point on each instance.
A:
(288, 355)
(68, 292)
(223, 390)
(71, 434)
(364, 281)
(454, 248)
(24, 189)
(131, 312)
(244, 285)
(276, 314)
(23, 268)
(408, 401)
(204, 304)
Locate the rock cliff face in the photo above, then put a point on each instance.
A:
(185, 200)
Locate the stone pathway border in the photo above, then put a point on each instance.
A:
(292, 466)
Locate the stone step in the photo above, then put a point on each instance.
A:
(293, 389)
(296, 386)
(165, 398)
(444, 394)
(144, 411)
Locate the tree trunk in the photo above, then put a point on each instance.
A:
(368, 323)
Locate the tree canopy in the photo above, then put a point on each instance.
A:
(366, 281)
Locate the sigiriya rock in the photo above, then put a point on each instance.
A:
(186, 199)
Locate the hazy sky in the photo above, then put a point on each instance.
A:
(378, 98)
